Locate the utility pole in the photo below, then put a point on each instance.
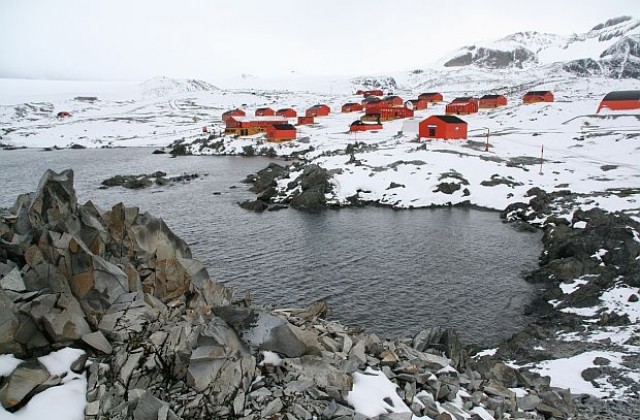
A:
(486, 146)
(541, 158)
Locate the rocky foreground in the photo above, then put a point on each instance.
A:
(163, 340)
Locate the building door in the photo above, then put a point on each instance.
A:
(432, 131)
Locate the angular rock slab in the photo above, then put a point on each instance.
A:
(54, 204)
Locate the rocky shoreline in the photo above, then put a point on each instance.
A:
(311, 185)
(163, 340)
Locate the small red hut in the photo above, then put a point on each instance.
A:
(393, 100)
(623, 100)
(362, 126)
(431, 97)
(442, 127)
(373, 92)
(304, 120)
(492, 101)
(265, 112)
(351, 107)
(416, 104)
(233, 113)
(462, 106)
(386, 113)
(319, 110)
(287, 113)
(281, 132)
(537, 96)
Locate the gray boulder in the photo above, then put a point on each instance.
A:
(262, 330)
(320, 371)
(65, 327)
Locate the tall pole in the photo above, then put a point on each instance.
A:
(541, 157)
(486, 146)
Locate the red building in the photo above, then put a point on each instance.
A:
(492, 101)
(319, 110)
(362, 126)
(372, 102)
(304, 120)
(621, 100)
(351, 107)
(431, 97)
(247, 126)
(416, 104)
(462, 106)
(393, 100)
(537, 96)
(233, 113)
(265, 112)
(373, 92)
(287, 113)
(281, 132)
(442, 127)
(386, 113)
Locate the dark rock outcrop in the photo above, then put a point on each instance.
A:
(492, 58)
(136, 182)
(306, 192)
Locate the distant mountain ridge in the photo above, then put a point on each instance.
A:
(524, 60)
(609, 49)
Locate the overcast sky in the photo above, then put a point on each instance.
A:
(210, 39)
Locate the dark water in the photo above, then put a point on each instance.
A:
(392, 272)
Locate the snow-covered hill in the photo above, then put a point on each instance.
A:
(164, 86)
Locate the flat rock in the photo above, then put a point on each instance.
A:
(19, 386)
(13, 281)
